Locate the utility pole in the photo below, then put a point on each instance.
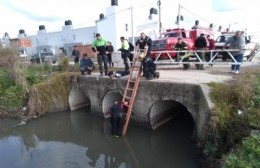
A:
(160, 22)
(179, 15)
(132, 25)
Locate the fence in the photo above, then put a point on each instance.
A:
(194, 54)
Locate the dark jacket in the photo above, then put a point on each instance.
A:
(149, 65)
(75, 53)
(131, 46)
(180, 47)
(142, 42)
(116, 111)
(200, 43)
(86, 63)
(110, 49)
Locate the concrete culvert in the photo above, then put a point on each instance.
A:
(170, 111)
(108, 101)
(78, 99)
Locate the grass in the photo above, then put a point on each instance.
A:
(246, 154)
(236, 112)
(12, 83)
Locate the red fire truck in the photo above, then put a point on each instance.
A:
(166, 43)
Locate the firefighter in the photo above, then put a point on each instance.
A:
(201, 46)
(117, 121)
(180, 46)
(149, 68)
(144, 45)
(143, 42)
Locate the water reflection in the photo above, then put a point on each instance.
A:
(77, 139)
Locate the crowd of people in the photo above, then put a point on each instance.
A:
(203, 46)
(104, 50)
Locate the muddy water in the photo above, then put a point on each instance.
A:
(80, 140)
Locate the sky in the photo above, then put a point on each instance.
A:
(29, 14)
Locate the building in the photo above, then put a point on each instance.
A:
(115, 23)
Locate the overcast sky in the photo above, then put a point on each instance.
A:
(29, 14)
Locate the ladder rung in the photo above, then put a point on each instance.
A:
(130, 89)
(127, 97)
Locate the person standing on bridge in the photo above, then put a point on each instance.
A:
(110, 50)
(117, 121)
(99, 46)
(236, 42)
(201, 46)
(125, 52)
(143, 44)
(211, 46)
(75, 54)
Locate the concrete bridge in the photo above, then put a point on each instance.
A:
(156, 101)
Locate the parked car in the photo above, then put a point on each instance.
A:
(23, 54)
(250, 45)
(44, 57)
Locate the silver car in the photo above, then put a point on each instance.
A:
(44, 57)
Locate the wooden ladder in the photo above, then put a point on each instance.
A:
(131, 89)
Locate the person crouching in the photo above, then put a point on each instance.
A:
(149, 68)
(86, 65)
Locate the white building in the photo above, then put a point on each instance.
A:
(115, 23)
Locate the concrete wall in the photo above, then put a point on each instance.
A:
(156, 102)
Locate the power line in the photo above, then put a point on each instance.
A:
(195, 14)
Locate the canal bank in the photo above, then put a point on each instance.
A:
(157, 101)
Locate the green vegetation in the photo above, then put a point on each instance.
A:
(247, 155)
(12, 90)
(11, 95)
(236, 113)
(55, 88)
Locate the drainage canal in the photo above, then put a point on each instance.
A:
(108, 101)
(174, 113)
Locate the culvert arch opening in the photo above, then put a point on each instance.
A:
(78, 99)
(165, 112)
(108, 101)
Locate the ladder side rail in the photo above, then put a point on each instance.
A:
(129, 111)
(128, 81)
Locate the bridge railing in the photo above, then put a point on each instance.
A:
(195, 55)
